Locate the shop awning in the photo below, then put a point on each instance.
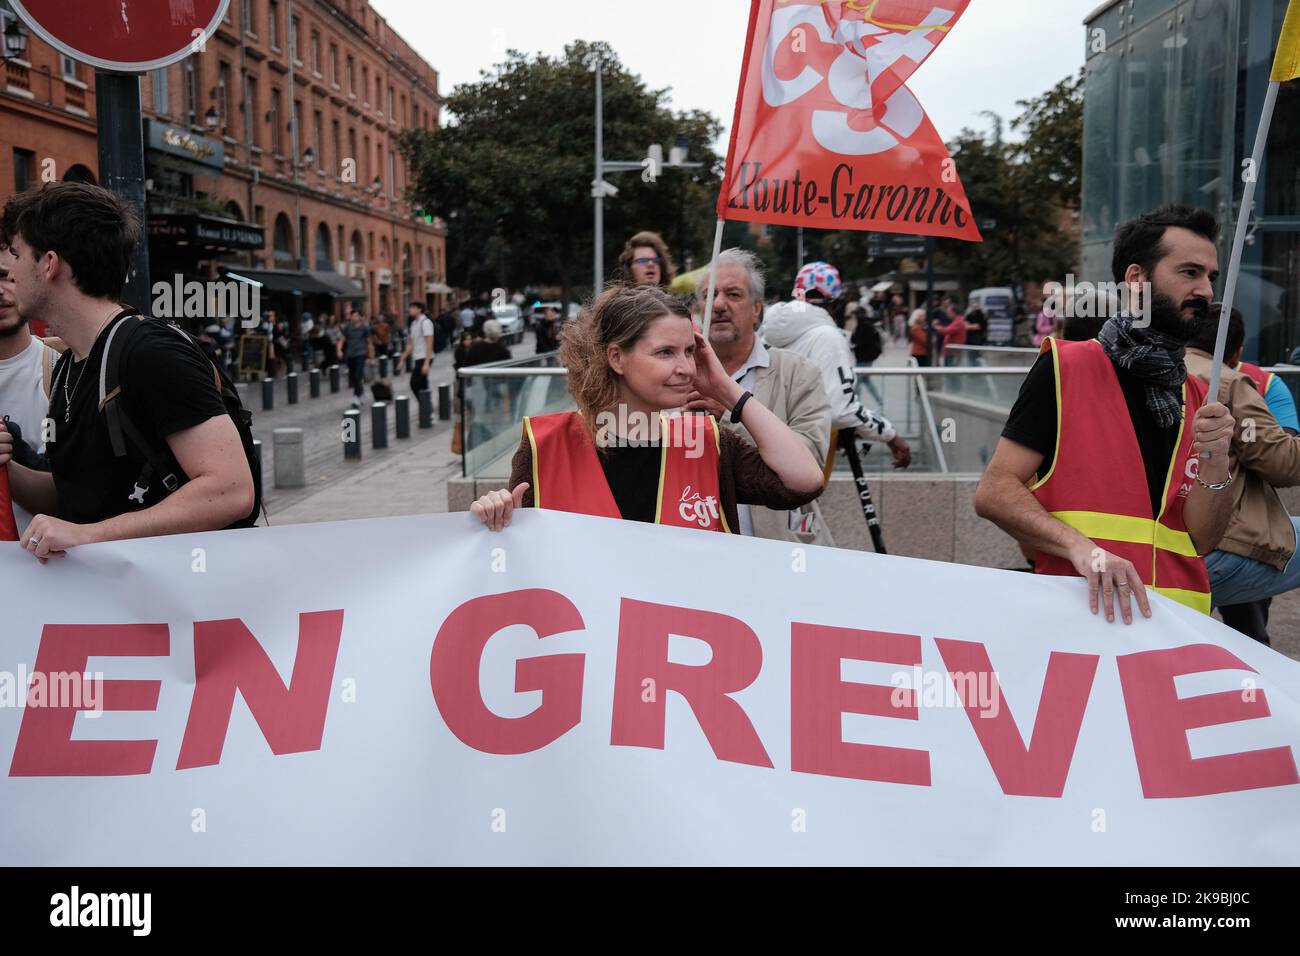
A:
(341, 287)
(281, 280)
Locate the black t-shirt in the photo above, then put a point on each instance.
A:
(167, 387)
(1032, 423)
(633, 475)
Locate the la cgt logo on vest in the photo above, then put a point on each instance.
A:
(701, 509)
(1191, 470)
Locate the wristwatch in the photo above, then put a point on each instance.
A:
(740, 405)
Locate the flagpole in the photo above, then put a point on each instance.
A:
(713, 276)
(1239, 242)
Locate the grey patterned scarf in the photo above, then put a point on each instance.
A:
(1154, 357)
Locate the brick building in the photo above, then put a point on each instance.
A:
(272, 153)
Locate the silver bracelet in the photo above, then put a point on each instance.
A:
(1216, 487)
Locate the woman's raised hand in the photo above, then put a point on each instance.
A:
(496, 507)
(711, 380)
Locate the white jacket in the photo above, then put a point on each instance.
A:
(809, 330)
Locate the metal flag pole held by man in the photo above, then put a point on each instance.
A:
(1286, 67)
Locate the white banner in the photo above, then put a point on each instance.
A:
(574, 690)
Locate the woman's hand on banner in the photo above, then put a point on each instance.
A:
(496, 507)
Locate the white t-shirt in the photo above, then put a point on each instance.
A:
(421, 331)
(23, 400)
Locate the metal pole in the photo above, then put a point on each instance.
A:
(713, 276)
(929, 296)
(121, 170)
(800, 253)
(1239, 240)
(850, 447)
(598, 188)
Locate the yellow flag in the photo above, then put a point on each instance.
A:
(1287, 65)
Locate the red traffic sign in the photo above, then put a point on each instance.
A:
(124, 36)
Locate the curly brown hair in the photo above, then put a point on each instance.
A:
(620, 316)
(667, 271)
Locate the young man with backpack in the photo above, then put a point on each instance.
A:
(147, 436)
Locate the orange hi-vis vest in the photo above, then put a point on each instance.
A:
(1263, 380)
(567, 475)
(1097, 484)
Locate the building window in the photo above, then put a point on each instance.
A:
(295, 38)
(365, 84)
(392, 175)
(223, 96)
(190, 73)
(246, 16)
(299, 133)
(366, 175)
(390, 104)
(69, 68)
(318, 130)
(352, 153)
(161, 94)
(336, 140)
(272, 24)
(250, 110)
(315, 51)
(334, 64)
(274, 117)
(24, 169)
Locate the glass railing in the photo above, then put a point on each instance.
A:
(951, 417)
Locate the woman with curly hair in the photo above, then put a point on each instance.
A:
(645, 261)
(634, 358)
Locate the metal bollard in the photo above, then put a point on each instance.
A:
(403, 411)
(444, 403)
(334, 378)
(313, 383)
(268, 394)
(379, 424)
(291, 380)
(383, 366)
(290, 469)
(425, 398)
(352, 434)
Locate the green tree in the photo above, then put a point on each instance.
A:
(1025, 186)
(511, 171)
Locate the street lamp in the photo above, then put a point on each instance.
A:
(15, 41)
(308, 157)
(212, 118)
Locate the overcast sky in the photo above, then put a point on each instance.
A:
(1000, 52)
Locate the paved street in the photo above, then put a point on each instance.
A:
(409, 477)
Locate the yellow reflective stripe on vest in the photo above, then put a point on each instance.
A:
(1193, 599)
(1094, 524)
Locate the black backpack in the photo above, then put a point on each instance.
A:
(126, 436)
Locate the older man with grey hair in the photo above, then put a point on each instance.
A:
(787, 384)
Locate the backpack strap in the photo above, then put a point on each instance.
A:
(121, 430)
(47, 372)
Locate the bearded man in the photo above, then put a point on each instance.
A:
(1113, 466)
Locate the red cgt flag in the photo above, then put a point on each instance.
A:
(827, 135)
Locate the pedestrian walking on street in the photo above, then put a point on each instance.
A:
(633, 355)
(355, 349)
(419, 347)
